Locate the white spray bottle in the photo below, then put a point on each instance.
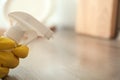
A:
(25, 23)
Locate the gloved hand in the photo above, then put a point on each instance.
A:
(10, 54)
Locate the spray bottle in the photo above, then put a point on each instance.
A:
(25, 23)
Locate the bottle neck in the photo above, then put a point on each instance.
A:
(14, 33)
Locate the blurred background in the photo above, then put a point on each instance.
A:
(60, 13)
(85, 17)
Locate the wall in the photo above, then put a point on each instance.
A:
(63, 12)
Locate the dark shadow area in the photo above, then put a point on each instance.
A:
(118, 21)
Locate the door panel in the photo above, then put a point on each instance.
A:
(97, 18)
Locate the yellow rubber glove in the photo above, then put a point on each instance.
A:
(10, 54)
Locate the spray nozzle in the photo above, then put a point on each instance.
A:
(26, 23)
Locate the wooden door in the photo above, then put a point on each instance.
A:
(97, 18)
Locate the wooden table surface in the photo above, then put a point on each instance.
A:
(70, 57)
